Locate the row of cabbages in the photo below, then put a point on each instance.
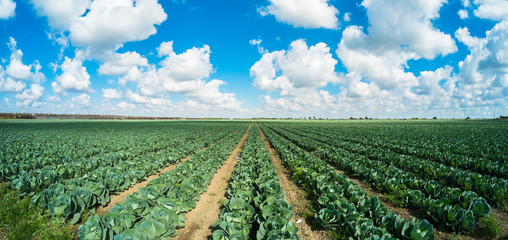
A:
(158, 209)
(451, 206)
(341, 205)
(256, 204)
(493, 189)
(67, 199)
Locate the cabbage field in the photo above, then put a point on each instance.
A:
(359, 179)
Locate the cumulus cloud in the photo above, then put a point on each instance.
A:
(82, 100)
(399, 32)
(300, 66)
(108, 24)
(148, 101)
(60, 13)
(491, 9)
(303, 13)
(463, 14)
(408, 24)
(376, 59)
(111, 93)
(30, 96)
(19, 71)
(184, 73)
(7, 84)
(118, 64)
(347, 17)
(165, 49)
(211, 94)
(7, 9)
(102, 24)
(463, 35)
(484, 72)
(54, 99)
(74, 77)
(193, 64)
(295, 75)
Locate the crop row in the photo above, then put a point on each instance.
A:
(495, 190)
(493, 167)
(343, 205)
(68, 199)
(158, 209)
(256, 204)
(32, 149)
(450, 206)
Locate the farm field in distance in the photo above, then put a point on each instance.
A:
(254, 179)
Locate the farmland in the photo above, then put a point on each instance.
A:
(363, 179)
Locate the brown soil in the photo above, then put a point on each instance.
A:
(502, 218)
(207, 208)
(295, 197)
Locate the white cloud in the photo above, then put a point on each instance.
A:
(7, 84)
(165, 49)
(300, 67)
(491, 9)
(463, 14)
(484, 72)
(303, 13)
(102, 25)
(409, 24)
(148, 101)
(110, 23)
(347, 17)
(53, 99)
(183, 73)
(60, 13)
(30, 96)
(82, 99)
(463, 35)
(119, 64)
(210, 94)
(74, 77)
(466, 3)
(257, 43)
(19, 71)
(190, 65)
(111, 93)
(7, 9)
(398, 32)
(428, 82)
(377, 81)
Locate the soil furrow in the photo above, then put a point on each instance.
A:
(120, 197)
(294, 196)
(208, 207)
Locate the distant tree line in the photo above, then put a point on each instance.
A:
(77, 116)
(17, 116)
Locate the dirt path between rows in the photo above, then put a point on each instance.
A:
(295, 197)
(120, 197)
(208, 207)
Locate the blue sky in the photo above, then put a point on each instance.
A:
(255, 58)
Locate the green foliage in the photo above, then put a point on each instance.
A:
(21, 220)
(488, 226)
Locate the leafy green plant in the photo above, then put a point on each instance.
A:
(34, 223)
(488, 226)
